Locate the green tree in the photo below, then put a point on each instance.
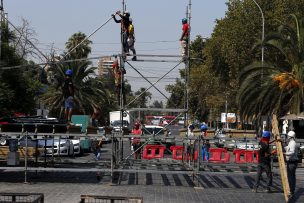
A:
(277, 85)
(19, 85)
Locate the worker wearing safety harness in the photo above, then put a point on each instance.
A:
(131, 39)
(125, 23)
(185, 37)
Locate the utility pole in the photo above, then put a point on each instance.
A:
(122, 66)
(1, 23)
(187, 67)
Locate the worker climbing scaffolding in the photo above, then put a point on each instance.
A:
(119, 84)
(184, 39)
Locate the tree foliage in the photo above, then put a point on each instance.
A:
(276, 86)
(89, 89)
(19, 86)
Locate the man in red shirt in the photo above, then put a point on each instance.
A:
(185, 37)
(136, 140)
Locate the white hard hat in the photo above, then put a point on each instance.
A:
(291, 134)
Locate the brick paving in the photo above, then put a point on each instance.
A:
(154, 188)
(214, 184)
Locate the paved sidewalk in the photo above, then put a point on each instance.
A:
(66, 187)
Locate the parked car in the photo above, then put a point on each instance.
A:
(160, 134)
(247, 145)
(66, 147)
(117, 125)
(106, 138)
(77, 147)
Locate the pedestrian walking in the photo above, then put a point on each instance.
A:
(205, 150)
(264, 162)
(98, 150)
(291, 152)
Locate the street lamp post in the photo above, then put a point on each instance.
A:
(263, 31)
(263, 34)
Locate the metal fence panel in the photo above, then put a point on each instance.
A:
(109, 199)
(21, 197)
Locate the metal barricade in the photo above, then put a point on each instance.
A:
(21, 197)
(109, 199)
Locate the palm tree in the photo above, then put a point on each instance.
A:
(277, 85)
(82, 50)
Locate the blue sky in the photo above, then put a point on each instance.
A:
(157, 26)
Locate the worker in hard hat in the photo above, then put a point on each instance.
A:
(68, 94)
(264, 162)
(125, 23)
(131, 39)
(291, 154)
(184, 39)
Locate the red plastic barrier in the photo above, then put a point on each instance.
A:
(246, 156)
(219, 155)
(153, 151)
(177, 153)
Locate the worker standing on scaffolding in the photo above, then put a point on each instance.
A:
(131, 39)
(125, 23)
(185, 38)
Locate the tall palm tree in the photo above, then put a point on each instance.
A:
(277, 85)
(78, 46)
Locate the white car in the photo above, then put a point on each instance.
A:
(159, 133)
(66, 147)
(117, 125)
(77, 147)
(248, 145)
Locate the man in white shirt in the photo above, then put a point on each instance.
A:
(291, 153)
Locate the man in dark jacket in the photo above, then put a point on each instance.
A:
(264, 162)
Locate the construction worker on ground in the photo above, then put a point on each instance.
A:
(136, 143)
(131, 39)
(264, 162)
(185, 38)
(125, 23)
(291, 154)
